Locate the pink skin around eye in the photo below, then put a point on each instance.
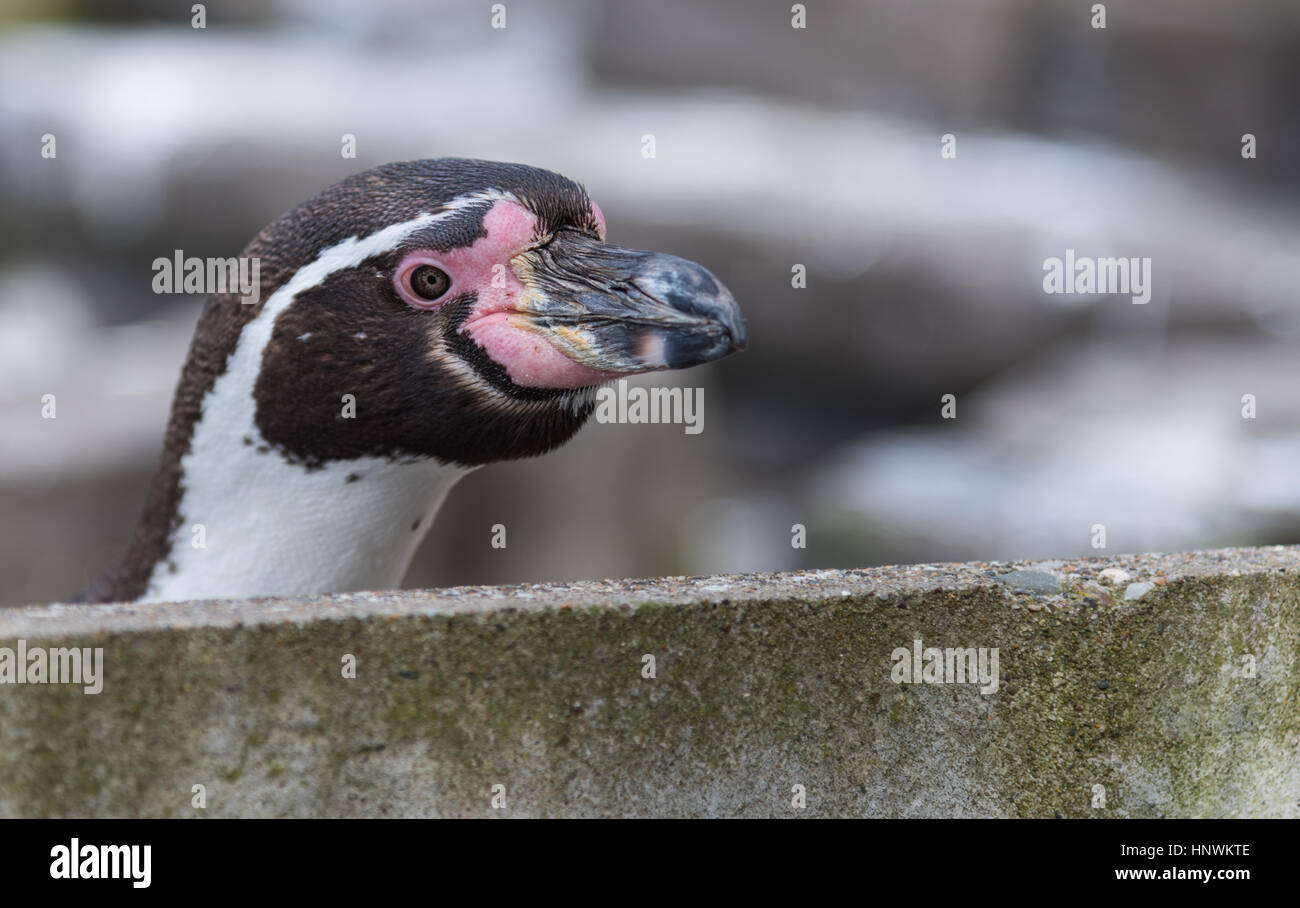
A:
(526, 356)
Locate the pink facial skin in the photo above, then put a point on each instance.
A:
(527, 357)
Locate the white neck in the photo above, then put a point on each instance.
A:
(257, 525)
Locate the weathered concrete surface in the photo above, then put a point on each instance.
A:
(762, 683)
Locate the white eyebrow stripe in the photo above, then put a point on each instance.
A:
(350, 253)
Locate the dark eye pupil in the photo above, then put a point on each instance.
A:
(429, 282)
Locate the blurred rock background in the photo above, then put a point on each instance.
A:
(775, 146)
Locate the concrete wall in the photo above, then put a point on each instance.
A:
(1172, 691)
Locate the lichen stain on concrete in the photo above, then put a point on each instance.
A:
(1146, 701)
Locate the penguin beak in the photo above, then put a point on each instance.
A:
(624, 310)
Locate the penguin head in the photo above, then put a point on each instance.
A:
(469, 309)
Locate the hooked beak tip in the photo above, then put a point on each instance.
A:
(626, 311)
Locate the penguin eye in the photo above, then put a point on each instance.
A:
(428, 282)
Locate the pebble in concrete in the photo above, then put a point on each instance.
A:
(1034, 581)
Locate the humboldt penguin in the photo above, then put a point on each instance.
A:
(414, 322)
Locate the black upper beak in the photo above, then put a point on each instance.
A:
(625, 310)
